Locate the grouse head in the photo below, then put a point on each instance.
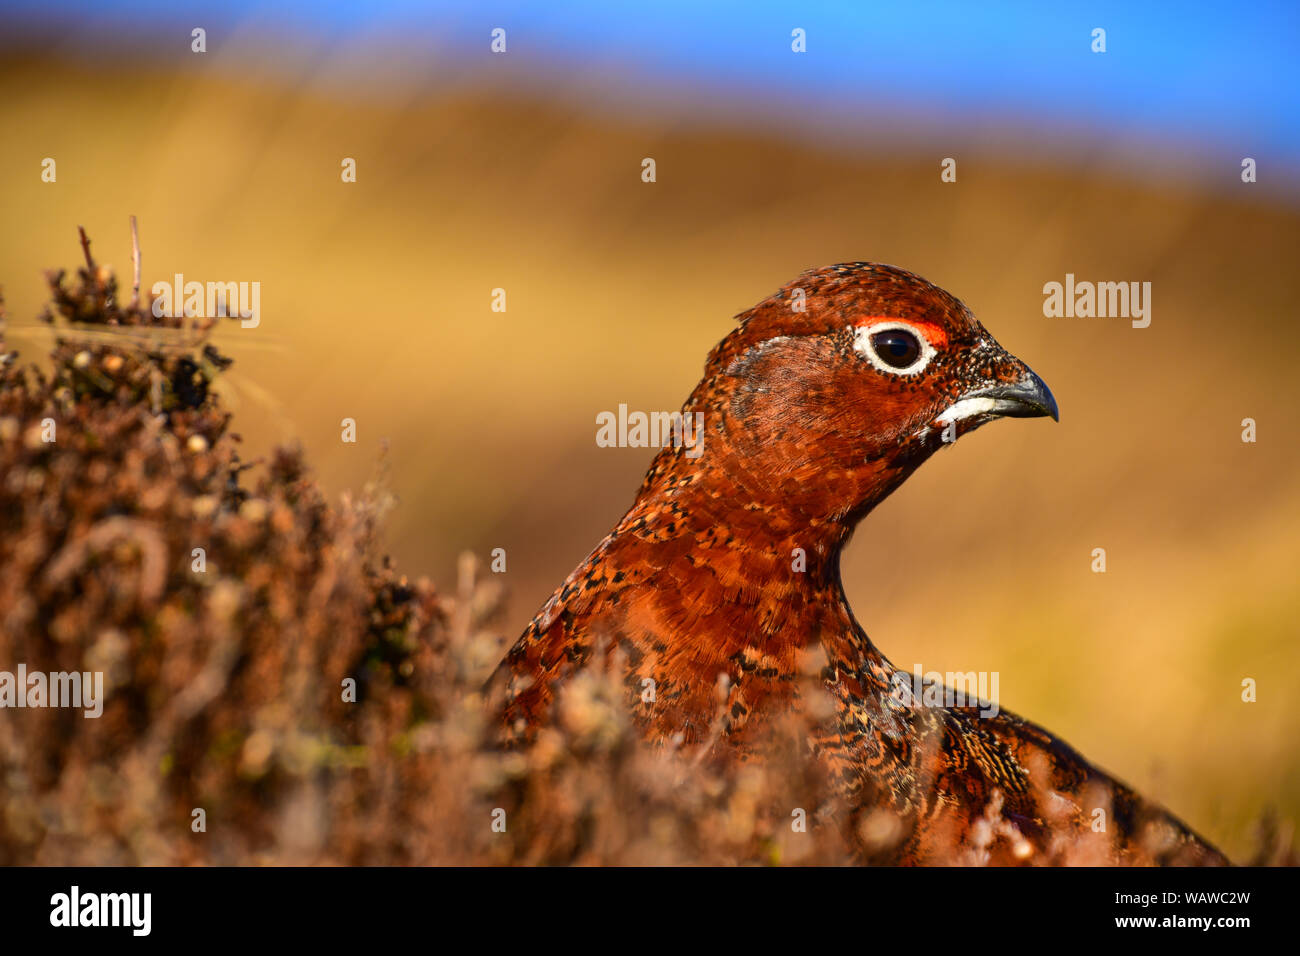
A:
(832, 391)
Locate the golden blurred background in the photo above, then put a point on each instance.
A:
(376, 306)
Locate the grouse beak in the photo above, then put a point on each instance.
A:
(1027, 397)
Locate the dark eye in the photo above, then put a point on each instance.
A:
(896, 348)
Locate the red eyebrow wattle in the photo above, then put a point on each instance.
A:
(934, 333)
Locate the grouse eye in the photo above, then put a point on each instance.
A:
(893, 346)
(896, 348)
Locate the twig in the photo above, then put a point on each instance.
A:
(152, 577)
(722, 694)
(85, 246)
(92, 273)
(135, 261)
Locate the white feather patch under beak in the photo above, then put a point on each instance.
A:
(968, 408)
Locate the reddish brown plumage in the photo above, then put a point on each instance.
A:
(803, 436)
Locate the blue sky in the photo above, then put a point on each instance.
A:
(1208, 79)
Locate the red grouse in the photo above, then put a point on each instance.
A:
(819, 404)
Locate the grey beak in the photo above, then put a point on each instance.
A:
(1028, 398)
